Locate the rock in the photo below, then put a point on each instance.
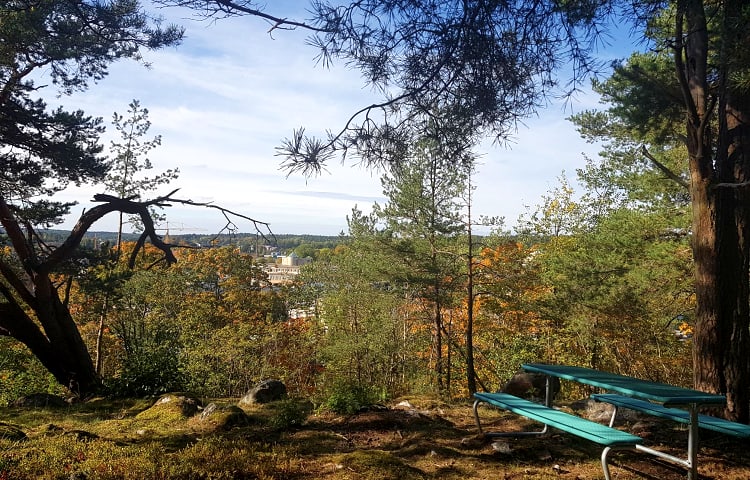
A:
(501, 447)
(223, 418)
(530, 385)
(188, 405)
(476, 441)
(40, 400)
(171, 408)
(602, 412)
(265, 392)
(210, 408)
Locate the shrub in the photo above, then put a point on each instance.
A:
(152, 370)
(22, 374)
(289, 413)
(349, 398)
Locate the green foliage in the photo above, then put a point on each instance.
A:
(125, 176)
(208, 325)
(73, 42)
(364, 338)
(349, 397)
(612, 290)
(69, 44)
(422, 220)
(288, 413)
(22, 374)
(151, 369)
(228, 361)
(506, 350)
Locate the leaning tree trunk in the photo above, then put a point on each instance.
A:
(30, 307)
(60, 348)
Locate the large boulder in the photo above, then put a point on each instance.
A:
(265, 392)
(530, 385)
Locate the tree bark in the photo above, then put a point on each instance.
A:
(66, 358)
(734, 255)
(721, 229)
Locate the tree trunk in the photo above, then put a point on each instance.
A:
(471, 375)
(100, 334)
(719, 169)
(707, 346)
(734, 255)
(66, 358)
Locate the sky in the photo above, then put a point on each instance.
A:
(226, 98)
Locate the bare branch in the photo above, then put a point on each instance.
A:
(230, 8)
(257, 224)
(130, 206)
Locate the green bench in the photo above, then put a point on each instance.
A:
(606, 436)
(676, 414)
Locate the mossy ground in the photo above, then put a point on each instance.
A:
(123, 439)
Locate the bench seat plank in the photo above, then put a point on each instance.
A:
(676, 414)
(578, 426)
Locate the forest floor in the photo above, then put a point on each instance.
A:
(413, 438)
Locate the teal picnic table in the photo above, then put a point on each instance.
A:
(661, 393)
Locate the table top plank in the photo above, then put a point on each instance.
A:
(634, 387)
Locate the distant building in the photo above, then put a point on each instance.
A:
(286, 270)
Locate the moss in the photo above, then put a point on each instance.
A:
(380, 465)
(169, 409)
(219, 417)
(11, 432)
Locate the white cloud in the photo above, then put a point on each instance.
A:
(224, 100)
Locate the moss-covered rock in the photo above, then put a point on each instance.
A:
(221, 417)
(171, 407)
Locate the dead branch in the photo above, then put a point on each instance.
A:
(141, 208)
(230, 8)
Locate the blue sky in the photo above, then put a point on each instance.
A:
(225, 98)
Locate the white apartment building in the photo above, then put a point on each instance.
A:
(286, 270)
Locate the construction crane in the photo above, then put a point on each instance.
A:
(175, 226)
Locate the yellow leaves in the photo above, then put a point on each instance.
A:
(507, 252)
(685, 329)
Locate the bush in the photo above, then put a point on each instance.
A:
(22, 374)
(349, 398)
(288, 413)
(149, 371)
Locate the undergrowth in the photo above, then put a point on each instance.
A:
(413, 439)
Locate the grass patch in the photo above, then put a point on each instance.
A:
(424, 439)
(379, 465)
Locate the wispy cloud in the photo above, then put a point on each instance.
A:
(337, 196)
(225, 99)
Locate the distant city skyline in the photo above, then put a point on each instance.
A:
(225, 99)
